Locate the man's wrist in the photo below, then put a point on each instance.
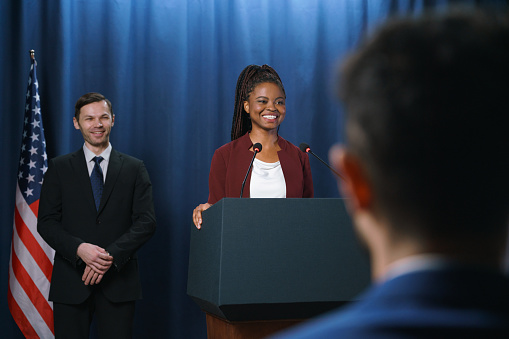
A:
(78, 250)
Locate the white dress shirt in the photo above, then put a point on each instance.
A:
(267, 180)
(89, 155)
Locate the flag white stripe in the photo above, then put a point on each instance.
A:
(33, 270)
(25, 304)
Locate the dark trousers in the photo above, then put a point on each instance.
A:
(114, 320)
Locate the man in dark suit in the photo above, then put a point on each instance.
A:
(96, 211)
(426, 166)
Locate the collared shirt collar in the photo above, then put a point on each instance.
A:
(89, 155)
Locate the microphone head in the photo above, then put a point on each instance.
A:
(257, 147)
(304, 147)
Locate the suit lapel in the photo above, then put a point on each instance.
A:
(80, 170)
(114, 166)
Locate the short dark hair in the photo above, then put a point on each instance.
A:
(88, 99)
(249, 78)
(427, 107)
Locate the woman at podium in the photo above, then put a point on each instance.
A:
(258, 162)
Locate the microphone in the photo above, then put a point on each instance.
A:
(306, 149)
(257, 148)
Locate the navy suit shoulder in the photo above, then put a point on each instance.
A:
(457, 303)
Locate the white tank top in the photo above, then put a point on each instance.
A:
(267, 180)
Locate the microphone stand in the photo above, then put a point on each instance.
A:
(256, 148)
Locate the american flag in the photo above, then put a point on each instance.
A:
(31, 261)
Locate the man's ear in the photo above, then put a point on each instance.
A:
(75, 122)
(357, 186)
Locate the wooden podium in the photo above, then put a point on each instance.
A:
(261, 265)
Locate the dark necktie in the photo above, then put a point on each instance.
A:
(96, 178)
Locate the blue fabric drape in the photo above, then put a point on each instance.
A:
(170, 67)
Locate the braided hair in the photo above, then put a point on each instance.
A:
(249, 78)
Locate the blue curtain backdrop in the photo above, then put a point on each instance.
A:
(170, 67)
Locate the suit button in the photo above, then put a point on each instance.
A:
(97, 221)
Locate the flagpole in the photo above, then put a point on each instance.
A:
(32, 54)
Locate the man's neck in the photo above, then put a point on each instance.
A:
(97, 150)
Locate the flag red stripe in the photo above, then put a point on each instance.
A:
(33, 293)
(20, 318)
(33, 245)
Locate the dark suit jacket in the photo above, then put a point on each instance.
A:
(231, 161)
(68, 217)
(450, 303)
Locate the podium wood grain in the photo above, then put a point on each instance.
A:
(218, 328)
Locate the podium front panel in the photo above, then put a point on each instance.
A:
(276, 255)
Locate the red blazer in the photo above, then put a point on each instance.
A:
(231, 161)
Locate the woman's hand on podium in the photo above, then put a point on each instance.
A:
(197, 214)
